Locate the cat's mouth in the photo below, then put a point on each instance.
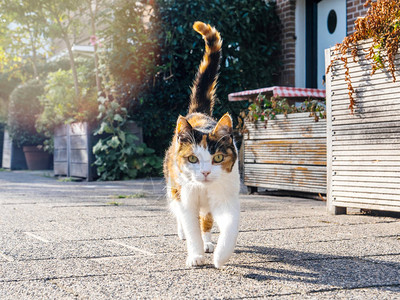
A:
(205, 180)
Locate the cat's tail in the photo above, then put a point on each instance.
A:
(204, 86)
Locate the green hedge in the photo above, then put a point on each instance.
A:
(168, 58)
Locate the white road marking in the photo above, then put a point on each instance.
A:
(37, 237)
(6, 257)
(132, 248)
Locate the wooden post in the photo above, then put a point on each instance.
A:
(332, 209)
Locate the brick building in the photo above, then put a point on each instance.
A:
(309, 27)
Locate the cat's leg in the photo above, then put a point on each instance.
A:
(187, 212)
(206, 223)
(226, 215)
(181, 234)
(173, 195)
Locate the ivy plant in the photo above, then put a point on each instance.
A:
(381, 23)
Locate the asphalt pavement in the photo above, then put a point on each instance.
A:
(61, 239)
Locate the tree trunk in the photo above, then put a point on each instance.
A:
(34, 56)
(72, 63)
(96, 57)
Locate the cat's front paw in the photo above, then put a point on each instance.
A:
(181, 235)
(219, 261)
(208, 247)
(195, 260)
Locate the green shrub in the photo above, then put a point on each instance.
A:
(118, 153)
(24, 107)
(250, 33)
(158, 63)
(57, 101)
(60, 106)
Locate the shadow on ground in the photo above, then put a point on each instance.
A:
(320, 269)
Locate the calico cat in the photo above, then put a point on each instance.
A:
(201, 168)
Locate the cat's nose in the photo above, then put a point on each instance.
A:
(205, 173)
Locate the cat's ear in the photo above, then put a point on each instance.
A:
(183, 129)
(224, 126)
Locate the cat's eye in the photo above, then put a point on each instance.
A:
(218, 158)
(193, 159)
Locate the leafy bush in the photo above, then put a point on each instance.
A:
(118, 153)
(59, 103)
(24, 107)
(165, 54)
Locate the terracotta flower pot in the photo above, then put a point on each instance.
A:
(36, 158)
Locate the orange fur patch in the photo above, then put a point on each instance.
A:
(208, 32)
(201, 28)
(224, 124)
(197, 120)
(212, 89)
(204, 64)
(206, 222)
(228, 162)
(176, 194)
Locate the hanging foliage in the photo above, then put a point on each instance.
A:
(382, 25)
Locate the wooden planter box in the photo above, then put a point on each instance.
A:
(1, 144)
(73, 155)
(13, 156)
(289, 153)
(363, 154)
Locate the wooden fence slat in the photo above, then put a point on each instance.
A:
(371, 162)
(355, 182)
(375, 173)
(368, 132)
(361, 140)
(282, 186)
(365, 177)
(368, 197)
(361, 203)
(371, 190)
(385, 99)
(364, 110)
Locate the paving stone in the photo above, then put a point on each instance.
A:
(37, 289)
(80, 240)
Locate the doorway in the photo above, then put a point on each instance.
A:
(331, 29)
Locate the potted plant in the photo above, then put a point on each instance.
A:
(284, 145)
(363, 113)
(24, 107)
